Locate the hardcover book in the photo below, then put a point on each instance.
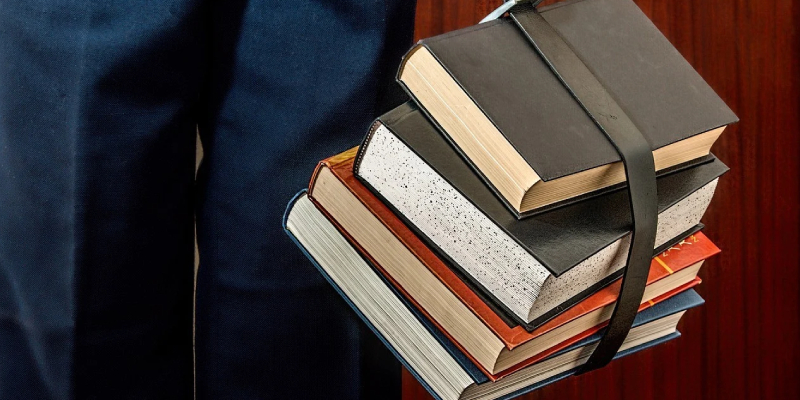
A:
(533, 268)
(428, 355)
(496, 343)
(506, 112)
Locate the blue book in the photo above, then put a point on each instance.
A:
(419, 345)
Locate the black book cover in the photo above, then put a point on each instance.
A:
(656, 87)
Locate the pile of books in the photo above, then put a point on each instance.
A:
(482, 228)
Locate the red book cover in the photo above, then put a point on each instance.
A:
(691, 250)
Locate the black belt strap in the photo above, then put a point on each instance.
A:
(636, 155)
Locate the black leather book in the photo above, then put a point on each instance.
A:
(534, 267)
(508, 114)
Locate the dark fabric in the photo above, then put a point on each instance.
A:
(100, 103)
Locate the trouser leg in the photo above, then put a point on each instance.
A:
(97, 125)
(293, 82)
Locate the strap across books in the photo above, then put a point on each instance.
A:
(636, 156)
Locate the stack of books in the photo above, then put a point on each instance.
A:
(482, 228)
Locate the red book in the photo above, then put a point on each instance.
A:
(384, 239)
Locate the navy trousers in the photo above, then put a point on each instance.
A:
(100, 105)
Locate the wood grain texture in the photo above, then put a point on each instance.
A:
(743, 344)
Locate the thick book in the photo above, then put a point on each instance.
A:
(425, 353)
(529, 267)
(493, 340)
(505, 110)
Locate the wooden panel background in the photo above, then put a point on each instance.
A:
(743, 344)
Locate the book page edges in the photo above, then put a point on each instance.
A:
(544, 193)
(493, 155)
(343, 166)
